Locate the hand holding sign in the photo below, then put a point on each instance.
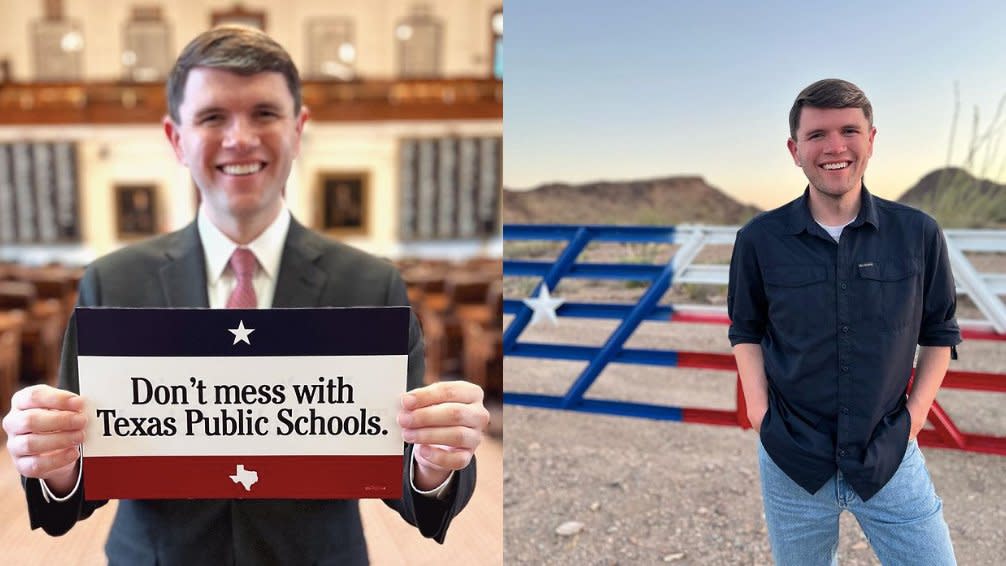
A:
(44, 427)
(445, 422)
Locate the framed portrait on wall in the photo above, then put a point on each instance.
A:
(136, 211)
(343, 201)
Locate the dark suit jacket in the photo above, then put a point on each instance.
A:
(169, 271)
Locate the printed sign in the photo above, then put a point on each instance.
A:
(220, 404)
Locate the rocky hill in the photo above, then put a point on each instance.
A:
(670, 200)
(957, 199)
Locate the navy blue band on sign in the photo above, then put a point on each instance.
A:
(331, 331)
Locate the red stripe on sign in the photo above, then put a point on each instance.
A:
(266, 477)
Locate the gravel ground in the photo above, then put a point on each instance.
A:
(654, 492)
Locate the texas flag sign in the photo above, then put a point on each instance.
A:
(257, 404)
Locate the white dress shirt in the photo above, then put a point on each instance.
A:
(218, 248)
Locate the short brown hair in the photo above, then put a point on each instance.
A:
(829, 93)
(238, 49)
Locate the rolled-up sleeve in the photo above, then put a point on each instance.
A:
(746, 302)
(939, 296)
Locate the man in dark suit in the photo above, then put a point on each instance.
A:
(235, 121)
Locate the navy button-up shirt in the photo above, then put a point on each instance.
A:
(838, 323)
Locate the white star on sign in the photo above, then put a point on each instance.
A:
(241, 333)
(544, 306)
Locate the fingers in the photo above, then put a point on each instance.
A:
(44, 429)
(41, 454)
(35, 444)
(445, 414)
(28, 444)
(442, 392)
(46, 465)
(42, 421)
(453, 437)
(443, 459)
(45, 397)
(444, 421)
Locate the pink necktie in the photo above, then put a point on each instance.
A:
(243, 296)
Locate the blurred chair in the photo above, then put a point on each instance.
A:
(11, 327)
(469, 316)
(43, 330)
(55, 283)
(483, 345)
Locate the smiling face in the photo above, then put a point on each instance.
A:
(833, 147)
(238, 135)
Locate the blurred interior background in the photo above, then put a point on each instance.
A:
(402, 155)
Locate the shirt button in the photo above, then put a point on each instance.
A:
(845, 368)
(841, 452)
(845, 410)
(845, 329)
(844, 285)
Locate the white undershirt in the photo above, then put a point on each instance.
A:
(834, 231)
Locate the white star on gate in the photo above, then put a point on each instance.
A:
(241, 333)
(544, 306)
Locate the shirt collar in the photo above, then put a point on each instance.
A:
(799, 217)
(218, 248)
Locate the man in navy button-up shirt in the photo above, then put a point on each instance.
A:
(829, 296)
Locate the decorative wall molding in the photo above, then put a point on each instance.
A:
(354, 101)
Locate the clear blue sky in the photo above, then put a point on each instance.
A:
(645, 88)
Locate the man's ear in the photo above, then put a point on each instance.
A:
(302, 118)
(305, 114)
(172, 133)
(791, 145)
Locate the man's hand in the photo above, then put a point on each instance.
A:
(754, 384)
(756, 415)
(445, 422)
(44, 428)
(929, 373)
(918, 415)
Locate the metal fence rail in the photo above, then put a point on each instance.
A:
(983, 288)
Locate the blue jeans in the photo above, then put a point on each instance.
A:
(903, 521)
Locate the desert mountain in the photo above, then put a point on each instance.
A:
(957, 199)
(670, 200)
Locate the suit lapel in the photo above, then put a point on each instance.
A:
(300, 281)
(183, 277)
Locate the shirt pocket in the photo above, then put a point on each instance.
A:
(793, 293)
(891, 291)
